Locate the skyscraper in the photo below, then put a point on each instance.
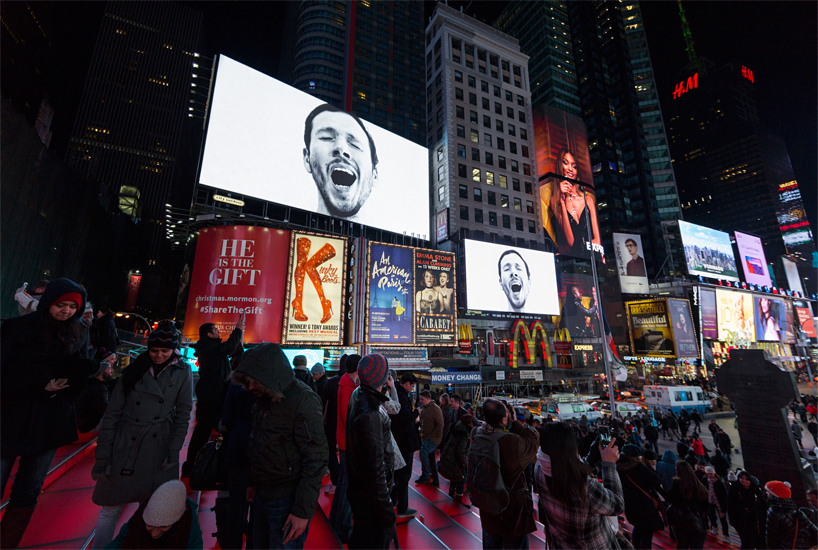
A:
(365, 57)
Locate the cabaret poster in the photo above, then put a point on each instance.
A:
(435, 308)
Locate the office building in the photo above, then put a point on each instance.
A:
(365, 57)
(480, 133)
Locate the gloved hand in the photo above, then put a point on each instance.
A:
(101, 471)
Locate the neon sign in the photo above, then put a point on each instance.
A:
(747, 73)
(529, 342)
(692, 82)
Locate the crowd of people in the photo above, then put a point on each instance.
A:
(287, 426)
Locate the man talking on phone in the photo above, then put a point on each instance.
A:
(214, 373)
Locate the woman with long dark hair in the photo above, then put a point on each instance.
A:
(687, 509)
(573, 504)
(747, 510)
(143, 429)
(43, 367)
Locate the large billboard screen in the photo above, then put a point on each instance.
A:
(710, 324)
(736, 315)
(793, 278)
(708, 252)
(806, 320)
(271, 141)
(771, 318)
(315, 290)
(390, 315)
(752, 258)
(649, 323)
(630, 263)
(507, 278)
(435, 298)
(684, 333)
(580, 311)
(237, 269)
(566, 185)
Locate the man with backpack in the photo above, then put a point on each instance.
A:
(501, 450)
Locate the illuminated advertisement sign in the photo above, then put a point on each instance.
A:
(442, 225)
(710, 324)
(435, 298)
(793, 278)
(752, 258)
(708, 252)
(792, 218)
(736, 315)
(238, 269)
(511, 279)
(685, 86)
(133, 291)
(315, 289)
(790, 332)
(390, 290)
(684, 333)
(771, 318)
(313, 356)
(806, 321)
(747, 73)
(579, 312)
(567, 193)
(630, 263)
(271, 141)
(650, 330)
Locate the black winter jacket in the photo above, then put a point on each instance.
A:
(403, 425)
(91, 405)
(781, 521)
(369, 454)
(305, 376)
(214, 366)
(321, 385)
(453, 457)
(746, 509)
(330, 399)
(637, 479)
(105, 333)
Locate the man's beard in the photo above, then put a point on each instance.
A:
(350, 204)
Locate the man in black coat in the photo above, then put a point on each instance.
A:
(406, 436)
(725, 445)
(330, 400)
(104, 330)
(319, 375)
(214, 373)
(370, 458)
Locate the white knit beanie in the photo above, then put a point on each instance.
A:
(167, 504)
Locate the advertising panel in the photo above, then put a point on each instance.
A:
(273, 142)
(507, 278)
(444, 378)
(442, 225)
(315, 290)
(435, 298)
(684, 333)
(710, 324)
(752, 258)
(793, 279)
(313, 356)
(579, 313)
(736, 315)
(792, 219)
(133, 291)
(567, 193)
(771, 318)
(390, 316)
(650, 328)
(237, 269)
(708, 252)
(790, 333)
(806, 321)
(630, 263)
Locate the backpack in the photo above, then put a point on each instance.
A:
(484, 481)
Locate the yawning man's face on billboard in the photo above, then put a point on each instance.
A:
(341, 157)
(515, 279)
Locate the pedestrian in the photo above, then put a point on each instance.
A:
(406, 437)
(666, 468)
(330, 401)
(319, 375)
(697, 421)
(370, 458)
(340, 515)
(650, 459)
(746, 510)
(725, 445)
(812, 410)
(641, 487)
(717, 503)
(105, 330)
(665, 425)
(453, 457)
(573, 504)
(211, 389)
(714, 429)
(787, 526)
(501, 435)
(302, 372)
(143, 429)
(167, 520)
(93, 401)
(684, 424)
(720, 464)
(287, 452)
(802, 412)
(812, 428)
(796, 432)
(698, 447)
(687, 510)
(431, 435)
(237, 422)
(652, 436)
(673, 426)
(682, 446)
(43, 367)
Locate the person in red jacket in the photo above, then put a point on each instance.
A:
(340, 516)
(698, 447)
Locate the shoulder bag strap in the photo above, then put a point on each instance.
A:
(653, 500)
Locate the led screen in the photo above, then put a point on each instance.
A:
(651, 333)
(736, 315)
(771, 318)
(793, 278)
(506, 278)
(270, 141)
(753, 261)
(313, 355)
(708, 252)
(630, 263)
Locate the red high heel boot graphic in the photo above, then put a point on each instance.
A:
(302, 248)
(325, 253)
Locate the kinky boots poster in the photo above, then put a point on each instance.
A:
(435, 307)
(315, 290)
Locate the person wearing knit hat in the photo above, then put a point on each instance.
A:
(302, 373)
(632, 450)
(716, 502)
(780, 489)
(167, 520)
(747, 508)
(787, 526)
(320, 377)
(157, 391)
(639, 481)
(369, 458)
(45, 366)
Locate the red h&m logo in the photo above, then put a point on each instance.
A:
(747, 73)
(692, 82)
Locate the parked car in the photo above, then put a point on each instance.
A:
(570, 411)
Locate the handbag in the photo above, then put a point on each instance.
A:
(656, 503)
(209, 469)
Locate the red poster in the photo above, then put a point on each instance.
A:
(239, 269)
(805, 319)
(133, 291)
